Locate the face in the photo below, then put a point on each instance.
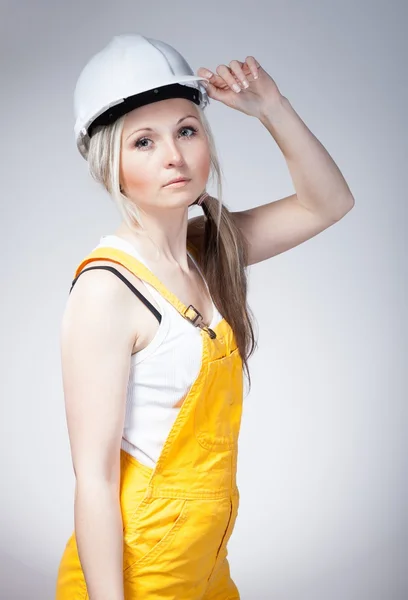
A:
(163, 141)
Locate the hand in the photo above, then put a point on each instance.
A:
(253, 100)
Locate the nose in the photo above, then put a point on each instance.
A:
(173, 154)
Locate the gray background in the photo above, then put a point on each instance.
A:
(323, 439)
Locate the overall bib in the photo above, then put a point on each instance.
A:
(179, 516)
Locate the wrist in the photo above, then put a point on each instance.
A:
(273, 109)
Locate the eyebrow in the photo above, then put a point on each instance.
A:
(150, 129)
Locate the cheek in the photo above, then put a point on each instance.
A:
(203, 165)
(134, 176)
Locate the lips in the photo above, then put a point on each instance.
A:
(176, 180)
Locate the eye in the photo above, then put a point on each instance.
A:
(139, 143)
(191, 128)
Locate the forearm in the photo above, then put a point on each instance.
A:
(99, 535)
(318, 182)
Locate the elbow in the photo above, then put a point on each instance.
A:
(88, 478)
(350, 204)
(94, 486)
(346, 207)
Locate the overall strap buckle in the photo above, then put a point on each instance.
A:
(197, 316)
(193, 318)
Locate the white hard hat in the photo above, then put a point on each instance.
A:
(132, 70)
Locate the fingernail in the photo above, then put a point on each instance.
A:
(236, 87)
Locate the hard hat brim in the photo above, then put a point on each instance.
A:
(178, 87)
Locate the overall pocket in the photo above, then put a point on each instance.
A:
(223, 550)
(134, 480)
(219, 407)
(152, 529)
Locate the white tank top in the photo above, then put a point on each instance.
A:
(161, 374)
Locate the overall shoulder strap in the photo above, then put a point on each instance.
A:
(118, 274)
(136, 267)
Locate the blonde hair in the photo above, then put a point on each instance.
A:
(224, 256)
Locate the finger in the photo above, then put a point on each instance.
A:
(236, 68)
(203, 72)
(215, 80)
(218, 81)
(254, 66)
(212, 91)
(225, 74)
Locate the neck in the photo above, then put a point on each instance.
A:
(163, 240)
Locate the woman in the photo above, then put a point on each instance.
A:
(156, 333)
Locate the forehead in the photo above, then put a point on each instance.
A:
(160, 113)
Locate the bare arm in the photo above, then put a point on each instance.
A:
(96, 345)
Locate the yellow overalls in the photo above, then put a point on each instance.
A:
(179, 516)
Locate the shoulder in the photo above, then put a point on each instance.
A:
(100, 284)
(102, 298)
(100, 301)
